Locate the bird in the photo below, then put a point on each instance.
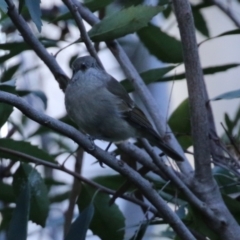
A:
(102, 108)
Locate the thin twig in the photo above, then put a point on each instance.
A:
(84, 36)
(39, 161)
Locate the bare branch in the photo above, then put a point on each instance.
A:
(196, 91)
(84, 36)
(36, 45)
(201, 119)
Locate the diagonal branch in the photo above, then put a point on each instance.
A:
(143, 185)
(36, 45)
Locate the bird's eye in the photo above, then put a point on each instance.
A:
(83, 66)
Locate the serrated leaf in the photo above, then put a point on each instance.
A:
(100, 221)
(161, 45)
(39, 196)
(14, 147)
(19, 222)
(179, 122)
(95, 5)
(149, 76)
(227, 95)
(35, 12)
(200, 23)
(79, 227)
(123, 22)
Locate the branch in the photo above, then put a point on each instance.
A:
(196, 91)
(227, 11)
(75, 191)
(205, 186)
(36, 45)
(143, 185)
(180, 184)
(39, 161)
(84, 36)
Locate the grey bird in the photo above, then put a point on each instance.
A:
(102, 108)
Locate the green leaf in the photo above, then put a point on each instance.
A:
(39, 196)
(60, 197)
(10, 148)
(233, 206)
(110, 181)
(229, 123)
(8, 73)
(5, 112)
(228, 95)
(180, 124)
(19, 222)
(200, 23)
(105, 216)
(95, 5)
(149, 76)
(123, 22)
(3, 6)
(232, 32)
(167, 12)
(161, 45)
(78, 229)
(227, 182)
(35, 12)
(6, 109)
(6, 217)
(6, 193)
(206, 71)
(14, 47)
(196, 221)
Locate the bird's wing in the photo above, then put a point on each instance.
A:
(129, 110)
(135, 117)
